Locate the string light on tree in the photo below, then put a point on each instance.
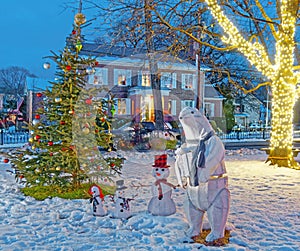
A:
(281, 75)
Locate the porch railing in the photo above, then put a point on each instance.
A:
(18, 137)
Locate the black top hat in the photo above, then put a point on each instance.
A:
(120, 185)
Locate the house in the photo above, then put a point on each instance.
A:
(126, 73)
(249, 109)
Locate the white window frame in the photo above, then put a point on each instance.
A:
(211, 108)
(187, 86)
(100, 77)
(127, 106)
(187, 103)
(168, 80)
(126, 77)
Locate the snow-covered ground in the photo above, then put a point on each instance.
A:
(264, 213)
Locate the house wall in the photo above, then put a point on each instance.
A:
(174, 99)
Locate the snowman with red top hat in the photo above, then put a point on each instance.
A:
(161, 203)
(97, 200)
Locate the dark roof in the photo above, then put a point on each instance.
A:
(109, 50)
(211, 92)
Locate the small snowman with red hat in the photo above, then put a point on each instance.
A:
(122, 208)
(161, 203)
(97, 200)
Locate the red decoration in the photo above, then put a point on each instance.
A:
(102, 119)
(68, 67)
(96, 63)
(6, 160)
(39, 94)
(73, 32)
(37, 137)
(88, 101)
(96, 130)
(50, 143)
(72, 112)
(88, 114)
(72, 147)
(37, 116)
(112, 164)
(62, 122)
(51, 154)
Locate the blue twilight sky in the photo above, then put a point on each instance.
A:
(30, 29)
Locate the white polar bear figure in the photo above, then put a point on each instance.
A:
(200, 168)
(98, 208)
(161, 204)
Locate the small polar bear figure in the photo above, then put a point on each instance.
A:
(200, 169)
(97, 200)
(161, 204)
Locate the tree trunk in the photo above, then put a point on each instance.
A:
(155, 81)
(283, 102)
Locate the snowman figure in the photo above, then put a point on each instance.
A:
(97, 200)
(161, 203)
(200, 169)
(122, 209)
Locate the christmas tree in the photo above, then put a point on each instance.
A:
(70, 125)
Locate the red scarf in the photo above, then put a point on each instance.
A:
(157, 183)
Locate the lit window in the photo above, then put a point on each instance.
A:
(99, 77)
(146, 79)
(122, 77)
(187, 81)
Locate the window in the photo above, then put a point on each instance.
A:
(123, 106)
(99, 77)
(209, 109)
(172, 107)
(188, 81)
(187, 103)
(168, 80)
(146, 78)
(122, 77)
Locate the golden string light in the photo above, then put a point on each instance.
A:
(281, 74)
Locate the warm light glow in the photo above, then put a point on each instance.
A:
(281, 74)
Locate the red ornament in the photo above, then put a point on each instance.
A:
(72, 147)
(39, 94)
(38, 116)
(68, 67)
(112, 164)
(62, 122)
(96, 130)
(51, 154)
(88, 114)
(102, 119)
(96, 63)
(73, 32)
(37, 137)
(72, 112)
(50, 143)
(88, 101)
(6, 160)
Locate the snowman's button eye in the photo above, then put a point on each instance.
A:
(180, 117)
(156, 169)
(162, 169)
(192, 112)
